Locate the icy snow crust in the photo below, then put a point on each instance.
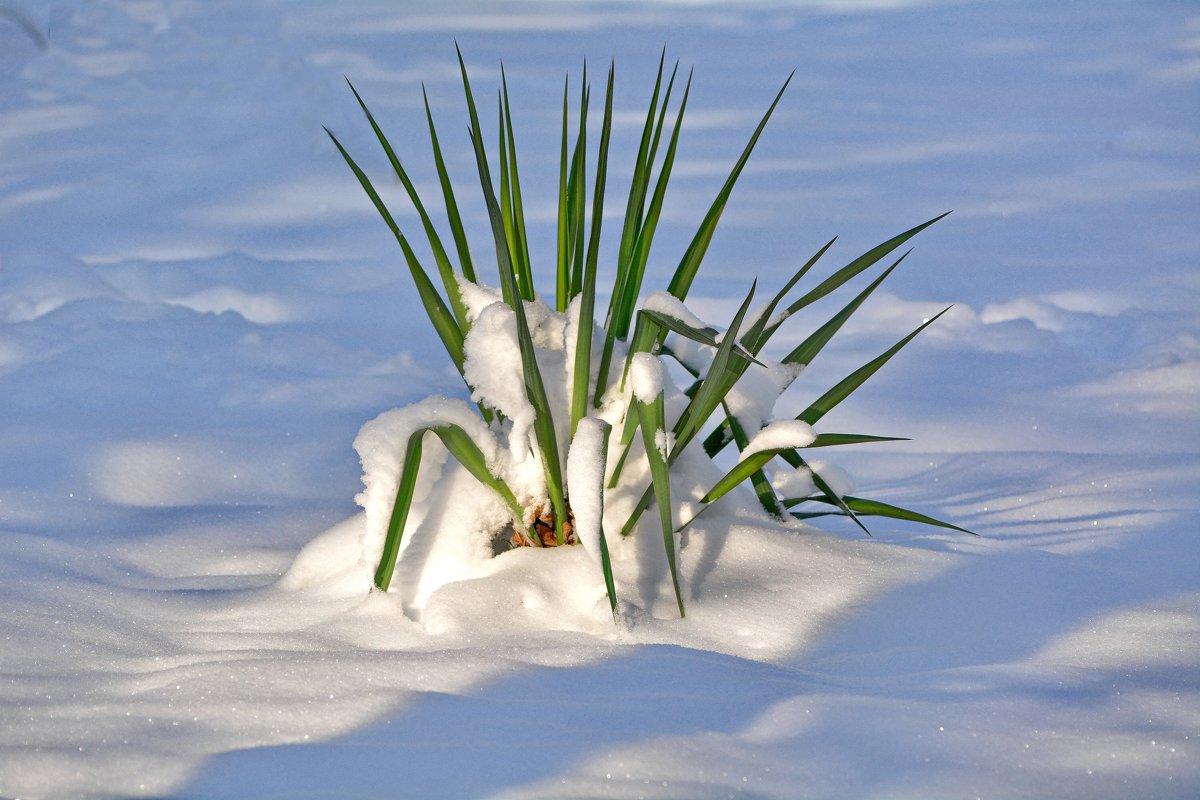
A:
(199, 309)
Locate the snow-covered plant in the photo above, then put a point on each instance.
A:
(550, 385)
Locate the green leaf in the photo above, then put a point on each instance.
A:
(832, 497)
(839, 439)
(635, 203)
(520, 240)
(449, 279)
(876, 508)
(400, 509)
(463, 448)
(466, 265)
(705, 336)
(535, 390)
(758, 479)
(577, 192)
(587, 308)
(443, 321)
(807, 350)
(712, 391)
(741, 471)
(760, 331)
(628, 284)
(562, 284)
(859, 264)
(653, 430)
(826, 402)
(685, 273)
(717, 382)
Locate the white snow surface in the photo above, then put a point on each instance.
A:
(780, 435)
(646, 377)
(200, 310)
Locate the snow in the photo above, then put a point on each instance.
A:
(493, 358)
(780, 435)
(646, 377)
(752, 399)
(586, 464)
(381, 448)
(199, 311)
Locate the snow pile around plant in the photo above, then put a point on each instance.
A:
(448, 576)
(195, 320)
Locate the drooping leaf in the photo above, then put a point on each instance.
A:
(704, 336)
(463, 448)
(833, 498)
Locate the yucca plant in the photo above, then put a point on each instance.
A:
(550, 384)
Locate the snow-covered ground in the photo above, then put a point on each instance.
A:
(199, 309)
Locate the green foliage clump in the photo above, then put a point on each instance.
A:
(599, 386)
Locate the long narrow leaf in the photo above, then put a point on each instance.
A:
(704, 336)
(859, 264)
(653, 432)
(400, 509)
(562, 272)
(826, 402)
(721, 436)
(635, 203)
(465, 264)
(806, 351)
(740, 472)
(443, 320)
(715, 385)
(711, 392)
(632, 284)
(467, 453)
(628, 284)
(505, 201)
(764, 326)
(685, 273)
(535, 389)
(832, 497)
(758, 479)
(587, 303)
(840, 439)
(865, 507)
(449, 278)
(521, 242)
(577, 190)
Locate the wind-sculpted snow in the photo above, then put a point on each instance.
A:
(199, 311)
